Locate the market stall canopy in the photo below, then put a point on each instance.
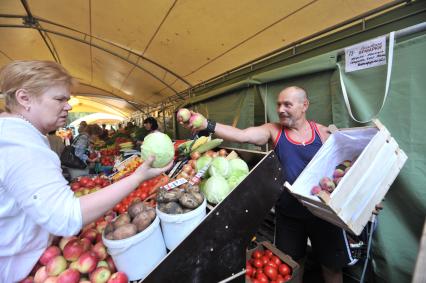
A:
(98, 118)
(147, 52)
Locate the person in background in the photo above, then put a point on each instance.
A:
(104, 135)
(296, 140)
(36, 201)
(150, 124)
(56, 143)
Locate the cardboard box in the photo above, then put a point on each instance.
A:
(378, 161)
(284, 258)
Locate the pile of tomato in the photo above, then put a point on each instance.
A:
(141, 193)
(264, 267)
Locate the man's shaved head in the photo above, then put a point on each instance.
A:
(297, 91)
(292, 103)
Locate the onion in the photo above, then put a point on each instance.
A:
(187, 168)
(209, 153)
(191, 163)
(195, 155)
(223, 152)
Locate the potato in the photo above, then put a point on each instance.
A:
(151, 213)
(199, 197)
(108, 229)
(193, 189)
(125, 231)
(135, 209)
(109, 236)
(171, 208)
(121, 220)
(142, 220)
(185, 210)
(188, 200)
(168, 196)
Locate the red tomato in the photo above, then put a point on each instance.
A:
(249, 270)
(268, 253)
(280, 279)
(287, 277)
(275, 260)
(257, 254)
(270, 263)
(256, 281)
(257, 263)
(270, 272)
(262, 277)
(75, 187)
(144, 195)
(264, 259)
(284, 269)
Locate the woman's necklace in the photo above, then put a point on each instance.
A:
(26, 120)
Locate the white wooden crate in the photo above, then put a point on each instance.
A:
(363, 186)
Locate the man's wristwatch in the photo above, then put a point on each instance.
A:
(211, 126)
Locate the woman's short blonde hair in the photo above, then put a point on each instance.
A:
(33, 76)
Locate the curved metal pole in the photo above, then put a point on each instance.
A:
(96, 46)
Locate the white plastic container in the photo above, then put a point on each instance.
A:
(138, 255)
(177, 226)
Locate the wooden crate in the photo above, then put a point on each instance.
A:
(295, 273)
(378, 161)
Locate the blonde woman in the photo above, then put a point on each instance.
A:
(35, 200)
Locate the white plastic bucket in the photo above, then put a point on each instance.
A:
(138, 255)
(177, 226)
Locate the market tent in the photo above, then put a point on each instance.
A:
(150, 52)
(98, 118)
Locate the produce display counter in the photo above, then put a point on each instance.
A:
(216, 248)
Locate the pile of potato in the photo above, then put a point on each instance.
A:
(179, 200)
(138, 218)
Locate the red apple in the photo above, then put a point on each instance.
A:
(90, 234)
(111, 264)
(100, 251)
(56, 265)
(73, 265)
(29, 279)
(73, 249)
(41, 275)
(118, 277)
(65, 240)
(51, 279)
(49, 253)
(196, 120)
(36, 267)
(87, 244)
(102, 263)
(87, 262)
(69, 276)
(183, 115)
(100, 275)
(100, 227)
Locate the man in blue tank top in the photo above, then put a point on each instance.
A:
(296, 140)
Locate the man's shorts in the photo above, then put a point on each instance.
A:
(329, 243)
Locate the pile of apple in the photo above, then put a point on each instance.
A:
(85, 185)
(266, 267)
(327, 184)
(79, 259)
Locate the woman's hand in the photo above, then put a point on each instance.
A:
(146, 171)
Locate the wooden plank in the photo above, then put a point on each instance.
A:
(419, 275)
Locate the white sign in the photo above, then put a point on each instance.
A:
(365, 55)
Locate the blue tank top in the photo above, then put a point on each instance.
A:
(294, 157)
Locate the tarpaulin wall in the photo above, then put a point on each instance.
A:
(396, 241)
